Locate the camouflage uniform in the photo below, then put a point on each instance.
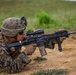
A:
(18, 59)
(15, 62)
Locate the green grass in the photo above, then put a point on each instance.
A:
(51, 72)
(40, 59)
(63, 13)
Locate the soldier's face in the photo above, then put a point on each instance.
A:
(20, 36)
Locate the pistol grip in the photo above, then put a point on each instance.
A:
(59, 44)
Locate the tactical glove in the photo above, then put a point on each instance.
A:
(29, 49)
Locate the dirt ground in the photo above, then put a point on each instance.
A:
(55, 59)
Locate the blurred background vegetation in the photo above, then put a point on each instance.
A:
(59, 14)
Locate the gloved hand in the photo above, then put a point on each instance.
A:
(29, 49)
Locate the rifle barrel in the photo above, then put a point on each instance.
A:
(74, 32)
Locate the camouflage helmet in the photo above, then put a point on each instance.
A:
(11, 26)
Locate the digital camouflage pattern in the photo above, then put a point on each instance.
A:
(11, 26)
(13, 65)
(18, 60)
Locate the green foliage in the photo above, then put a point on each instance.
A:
(72, 22)
(61, 13)
(7, 0)
(51, 72)
(39, 59)
(43, 19)
(47, 22)
(55, 24)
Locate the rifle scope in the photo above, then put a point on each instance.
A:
(37, 32)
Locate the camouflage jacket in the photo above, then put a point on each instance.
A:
(8, 62)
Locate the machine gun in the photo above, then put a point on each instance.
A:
(38, 37)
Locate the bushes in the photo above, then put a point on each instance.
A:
(43, 19)
(46, 21)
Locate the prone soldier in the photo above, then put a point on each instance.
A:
(12, 30)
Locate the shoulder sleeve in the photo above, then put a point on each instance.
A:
(10, 64)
